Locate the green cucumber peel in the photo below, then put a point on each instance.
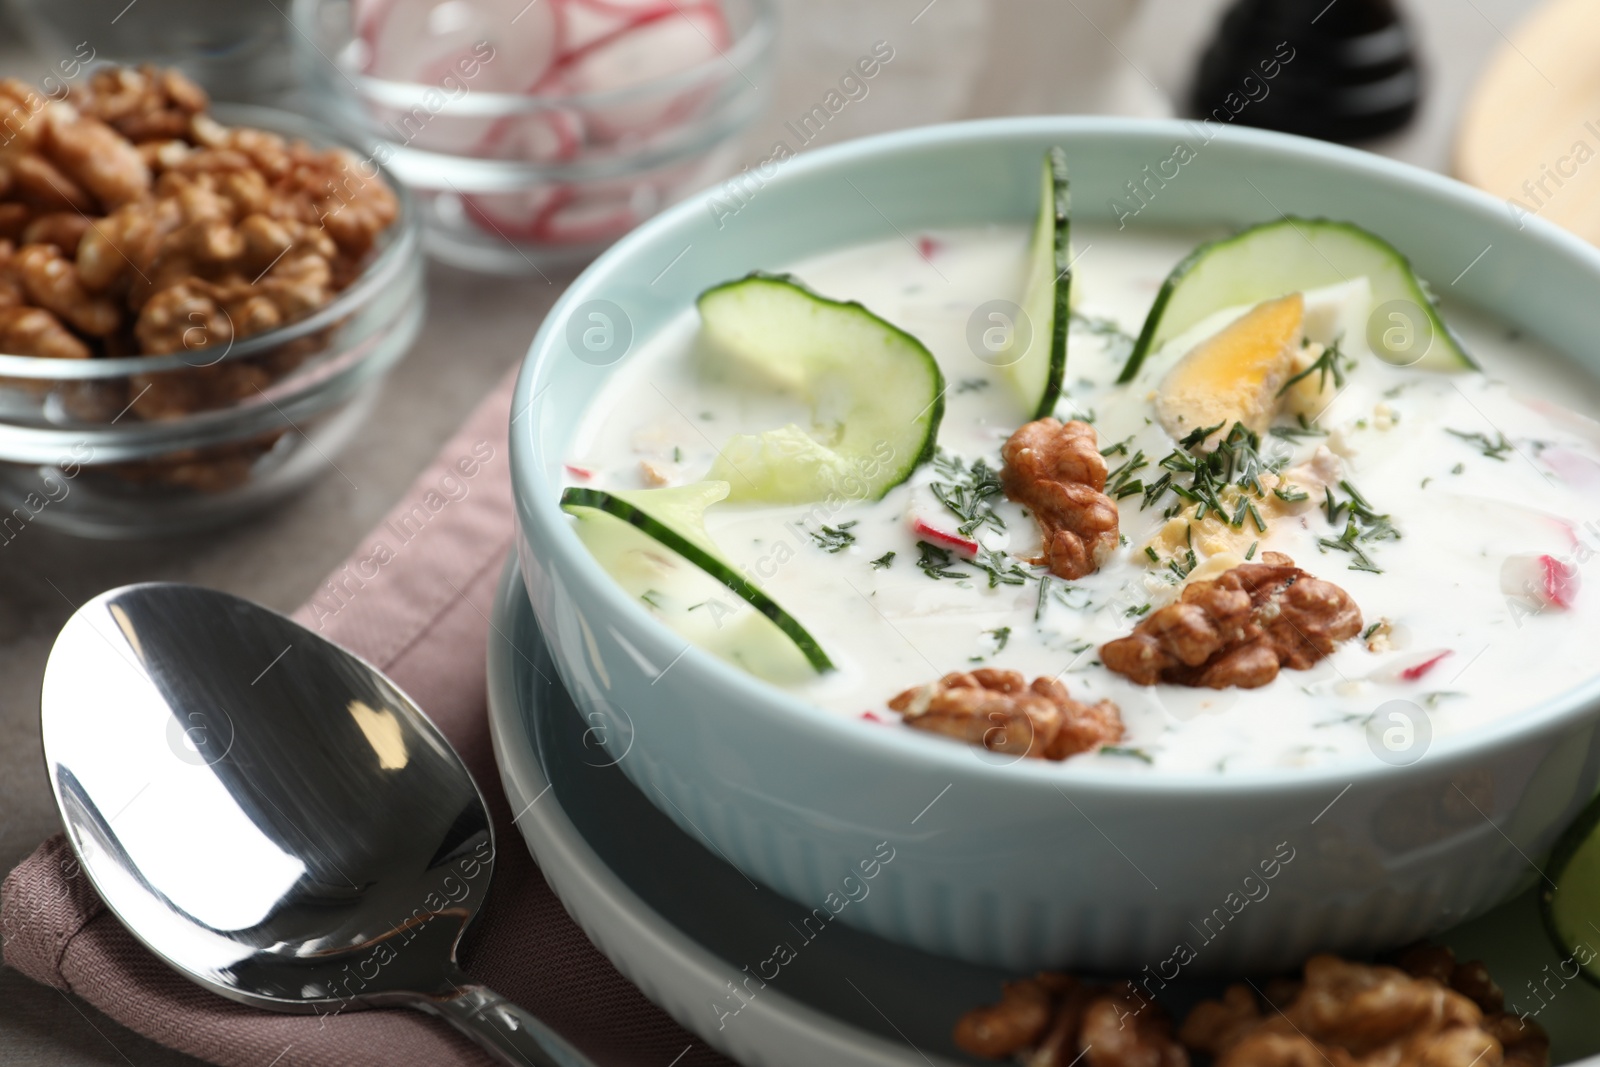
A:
(1290, 255)
(684, 534)
(892, 391)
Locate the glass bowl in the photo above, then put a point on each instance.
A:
(513, 182)
(263, 416)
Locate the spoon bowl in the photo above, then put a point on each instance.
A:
(269, 814)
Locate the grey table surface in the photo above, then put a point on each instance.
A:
(954, 59)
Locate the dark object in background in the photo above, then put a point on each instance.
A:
(1344, 70)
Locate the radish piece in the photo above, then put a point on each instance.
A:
(515, 216)
(461, 46)
(549, 136)
(1568, 531)
(365, 15)
(423, 40)
(1571, 466)
(927, 246)
(655, 45)
(564, 214)
(552, 135)
(1564, 417)
(574, 215)
(579, 472)
(1410, 667)
(595, 46)
(1547, 581)
(626, 9)
(872, 716)
(582, 24)
(943, 538)
(1417, 670)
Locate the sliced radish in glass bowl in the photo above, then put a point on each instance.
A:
(535, 133)
(658, 43)
(580, 215)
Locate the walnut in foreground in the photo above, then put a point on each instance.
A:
(1052, 1019)
(1000, 711)
(1238, 629)
(1347, 1014)
(1056, 471)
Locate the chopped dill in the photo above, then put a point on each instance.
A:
(1182, 566)
(1362, 525)
(1304, 429)
(652, 597)
(1120, 482)
(1001, 635)
(834, 538)
(1128, 751)
(936, 562)
(1235, 463)
(968, 491)
(883, 561)
(1142, 609)
(1001, 568)
(971, 385)
(1494, 449)
(1330, 363)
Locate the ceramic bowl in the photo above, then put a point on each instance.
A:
(1033, 863)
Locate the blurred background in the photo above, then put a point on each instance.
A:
(508, 224)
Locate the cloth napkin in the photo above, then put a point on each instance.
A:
(423, 619)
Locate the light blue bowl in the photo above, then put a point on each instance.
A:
(1037, 863)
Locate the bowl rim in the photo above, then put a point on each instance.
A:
(754, 41)
(538, 510)
(376, 275)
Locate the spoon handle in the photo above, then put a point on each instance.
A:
(510, 1034)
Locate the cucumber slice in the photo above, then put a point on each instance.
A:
(877, 388)
(686, 586)
(1293, 255)
(1571, 909)
(1047, 300)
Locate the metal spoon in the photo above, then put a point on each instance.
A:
(270, 815)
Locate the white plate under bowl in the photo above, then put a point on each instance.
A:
(682, 924)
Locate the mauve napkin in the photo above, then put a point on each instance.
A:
(417, 607)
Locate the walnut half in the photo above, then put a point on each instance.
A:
(1000, 711)
(1052, 1020)
(1056, 471)
(1346, 1014)
(1238, 629)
